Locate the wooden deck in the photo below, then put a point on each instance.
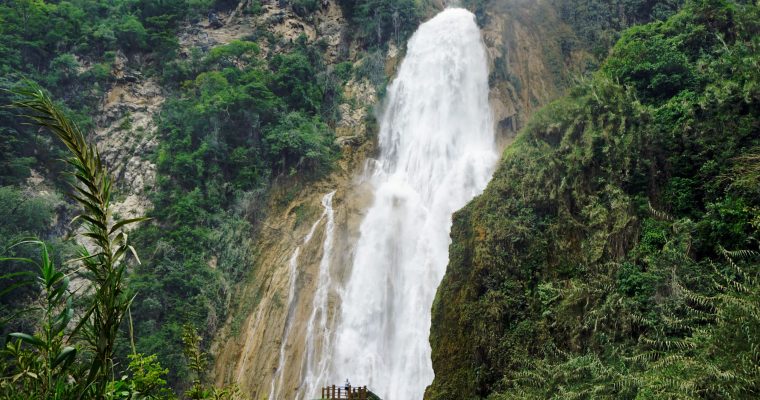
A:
(347, 393)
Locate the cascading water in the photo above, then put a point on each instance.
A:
(437, 153)
(318, 327)
(276, 385)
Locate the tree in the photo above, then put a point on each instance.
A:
(300, 143)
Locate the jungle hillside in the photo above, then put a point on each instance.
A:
(615, 252)
(164, 162)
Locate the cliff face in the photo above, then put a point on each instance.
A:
(248, 344)
(528, 69)
(577, 271)
(126, 136)
(248, 349)
(529, 66)
(125, 126)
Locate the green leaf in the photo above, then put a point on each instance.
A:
(26, 241)
(126, 222)
(15, 274)
(134, 253)
(66, 356)
(63, 319)
(22, 259)
(93, 221)
(26, 338)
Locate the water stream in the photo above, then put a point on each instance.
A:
(437, 152)
(318, 327)
(276, 385)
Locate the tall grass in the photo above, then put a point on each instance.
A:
(102, 259)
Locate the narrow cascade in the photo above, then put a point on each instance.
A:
(318, 327)
(276, 385)
(437, 153)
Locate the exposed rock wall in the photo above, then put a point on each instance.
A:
(519, 38)
(126, 137)
(249, 355)
(528, 65)
(247, 352)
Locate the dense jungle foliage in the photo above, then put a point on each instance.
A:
(380, 21)
(68, 48)
(66, 357)
(597, 24)
(615, 253)
(227, 134)
(234, 122)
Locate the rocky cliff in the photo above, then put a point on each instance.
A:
(605, 230)
(528, 69)
(248, 348)
(529, 66)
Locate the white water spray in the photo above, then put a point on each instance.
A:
(318, 328)
(437, 153)
(276, 385)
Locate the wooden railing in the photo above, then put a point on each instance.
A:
(338, 393)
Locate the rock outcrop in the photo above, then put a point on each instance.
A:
(528, 65)
(126, 136)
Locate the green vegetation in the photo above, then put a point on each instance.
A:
(598, 23)
(234, 126)
(380, 21)
(614, 254)
(104, 268)
(69, 47)
(67, 357)
(24, 215)
(41, 362)
(197, 361)
(305, 7)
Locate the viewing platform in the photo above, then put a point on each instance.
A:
(347, 393)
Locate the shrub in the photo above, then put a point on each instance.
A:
(300, 143)
(130, 34)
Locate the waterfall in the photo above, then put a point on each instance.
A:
(276, 385)
(437, 152)
(318, 327)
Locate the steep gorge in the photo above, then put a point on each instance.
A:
(527, 69)
(205, 139)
